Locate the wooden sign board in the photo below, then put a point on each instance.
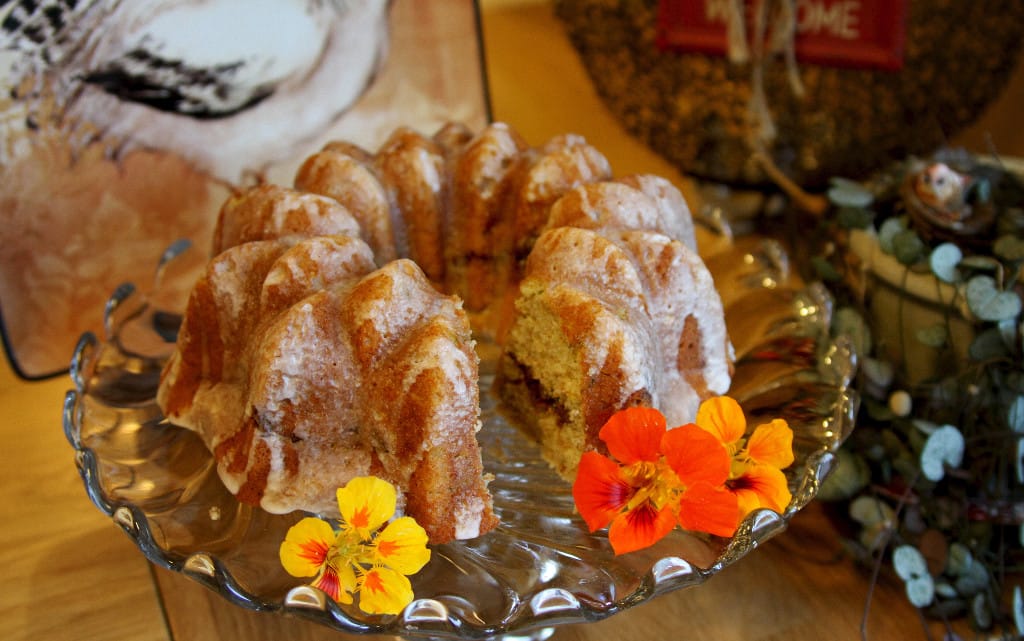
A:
(844, 33)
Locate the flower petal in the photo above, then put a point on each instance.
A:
(761, 486)
(600, 491)
(402, 546)
(634, 434)
(723, 417)
(641, 527)
(707, 508)
(772, 444)
(347, 580)
(366, 503)
(696, 455)
(337, 583)
(306, 547)
(384, 591)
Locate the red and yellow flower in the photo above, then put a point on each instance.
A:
(360, 557)
(704, 476)
(654, 479)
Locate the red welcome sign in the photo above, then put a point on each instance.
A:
(848, 33)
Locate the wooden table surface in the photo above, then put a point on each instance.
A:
(70, 573)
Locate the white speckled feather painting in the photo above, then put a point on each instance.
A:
(125, 123)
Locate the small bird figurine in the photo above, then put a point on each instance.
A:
(939, 203)
(939, 186)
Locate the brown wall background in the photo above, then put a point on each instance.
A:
(1002, 122)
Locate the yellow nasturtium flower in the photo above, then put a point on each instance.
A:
(366, 503)
(309, 549)
(360, 557)
(401, 546)
(755, 476)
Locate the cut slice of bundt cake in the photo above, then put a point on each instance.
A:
(608, 320)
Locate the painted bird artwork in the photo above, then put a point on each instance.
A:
(125, 123)
(230, 85)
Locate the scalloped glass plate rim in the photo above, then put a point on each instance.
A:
(539, 610)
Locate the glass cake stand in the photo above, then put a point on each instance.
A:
(540, 568)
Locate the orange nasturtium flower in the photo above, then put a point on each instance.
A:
(360, 557)
(654, 479)
(755, 475)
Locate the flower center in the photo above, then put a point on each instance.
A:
(654, 483)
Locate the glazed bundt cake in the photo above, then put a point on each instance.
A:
(608, 319)
(331, 334)
(302, 365)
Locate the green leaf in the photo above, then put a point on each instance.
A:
(870, 510)
(945, 392)
(875, 536)
(945, 446)
(925, 426)
(943, 261)
(1015, 415)
(1010, 221)
(987, 302)
(888, 231)
(849, 193)
(1009, 247)
(945, 590)
(934, 336)
(879, 372)
(980, 190)
(908, 247)
(959, 559)
(825, 270)
(1018, 609)
(1009, 330)
(921, 591)
(850, 475)
(988, 345)
(981, 612)
(854, 218)
(1020, 467)
(848, 322)
(973, 580)
(909, 562)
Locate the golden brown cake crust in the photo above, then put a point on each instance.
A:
(477, 251)
(270, 212)
(412, 169)
(210, 337)
(345, 179)
(565, 162)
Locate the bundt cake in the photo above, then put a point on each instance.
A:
(331, 337)
(302, 365)
(608, 319)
